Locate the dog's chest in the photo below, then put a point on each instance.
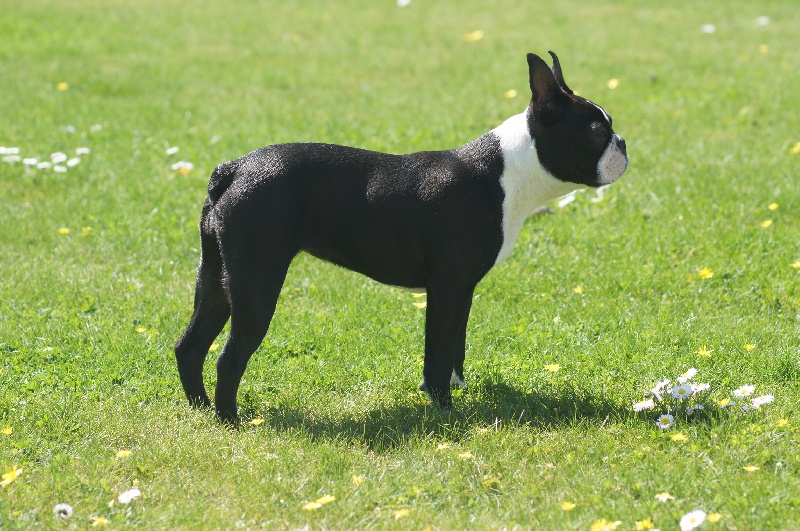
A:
(526, 184)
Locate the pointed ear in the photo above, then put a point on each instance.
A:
(543, 82)
(557, 72)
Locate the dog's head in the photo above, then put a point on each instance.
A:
(574, 137)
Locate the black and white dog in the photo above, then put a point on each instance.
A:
(436, 221)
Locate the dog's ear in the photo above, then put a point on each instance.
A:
(557, 72)
(548, 98)
(543, 82)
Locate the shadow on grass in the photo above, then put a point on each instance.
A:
(491, 404)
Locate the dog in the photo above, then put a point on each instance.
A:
(436, 221)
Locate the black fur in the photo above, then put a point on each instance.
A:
(428, 220)
(431, 220)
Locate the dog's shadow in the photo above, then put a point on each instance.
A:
(497, 404)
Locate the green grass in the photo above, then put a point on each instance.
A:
(88, 319)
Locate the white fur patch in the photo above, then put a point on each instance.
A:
(612, 164)
(525, 182)
(455, 381)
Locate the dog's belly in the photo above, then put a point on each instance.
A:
(382, 257)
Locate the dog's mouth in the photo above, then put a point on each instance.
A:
(613, 163)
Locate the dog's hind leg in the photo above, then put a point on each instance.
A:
(211, 312)
(254, 290)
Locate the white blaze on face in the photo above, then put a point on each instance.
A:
(612, 163)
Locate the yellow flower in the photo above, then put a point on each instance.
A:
(567, 506)
(421, 305)
(443, 446)
(679, 437)
(491, 482)
(62, 86)
(140, 330)
(796, 148)
(748, 347)
(8, 430)
(766, 223)
(475, 36)
(705, 273)
(553, 367)
(750, 468)
(763, 48)
(63, 230)
(642, 525)
(714, 517)
(124, 453)
(724, 402)
(400, 513)
(10, 476)
(256, 422)
(578, 289)
(613, 83)
(312, 506)
(99, 520)
(704, 352)
(466, 455)
(213, 347)
(795, 265)
(772, 206)
(664, 497)
(605, 525)
(783, 422)
(358, 480)
(85, 231)
(510, 94)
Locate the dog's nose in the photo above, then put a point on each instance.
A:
(621, 145)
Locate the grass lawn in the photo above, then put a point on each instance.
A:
(692, 259)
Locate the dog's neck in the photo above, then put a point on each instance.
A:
(526, 184)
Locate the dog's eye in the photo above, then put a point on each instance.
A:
(599, 131)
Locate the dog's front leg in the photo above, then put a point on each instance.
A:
(445, 328)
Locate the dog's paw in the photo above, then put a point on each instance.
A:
(457, 381)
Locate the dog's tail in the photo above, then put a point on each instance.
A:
(221, 179)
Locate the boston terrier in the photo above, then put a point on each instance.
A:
(436, 221)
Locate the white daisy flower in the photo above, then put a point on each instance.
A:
(63, 510)
(173, 150)
(58, 157)
(30, 161)
(692, 520)
(761, 400)
(182, 167)
(743, 391)
(70, 129)
(9, 150)
(74, 161)
(660, 386)
(682, 391)
(11, 159)
(59, 169)
(688, 375)
(708, 28)
(129, 495)
(698, 388)
(665, 421)
(644, 405)
(44, 165)
(762, 21)
(82, 151)
(95, 128)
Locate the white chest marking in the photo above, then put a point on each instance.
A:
(525, 182)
